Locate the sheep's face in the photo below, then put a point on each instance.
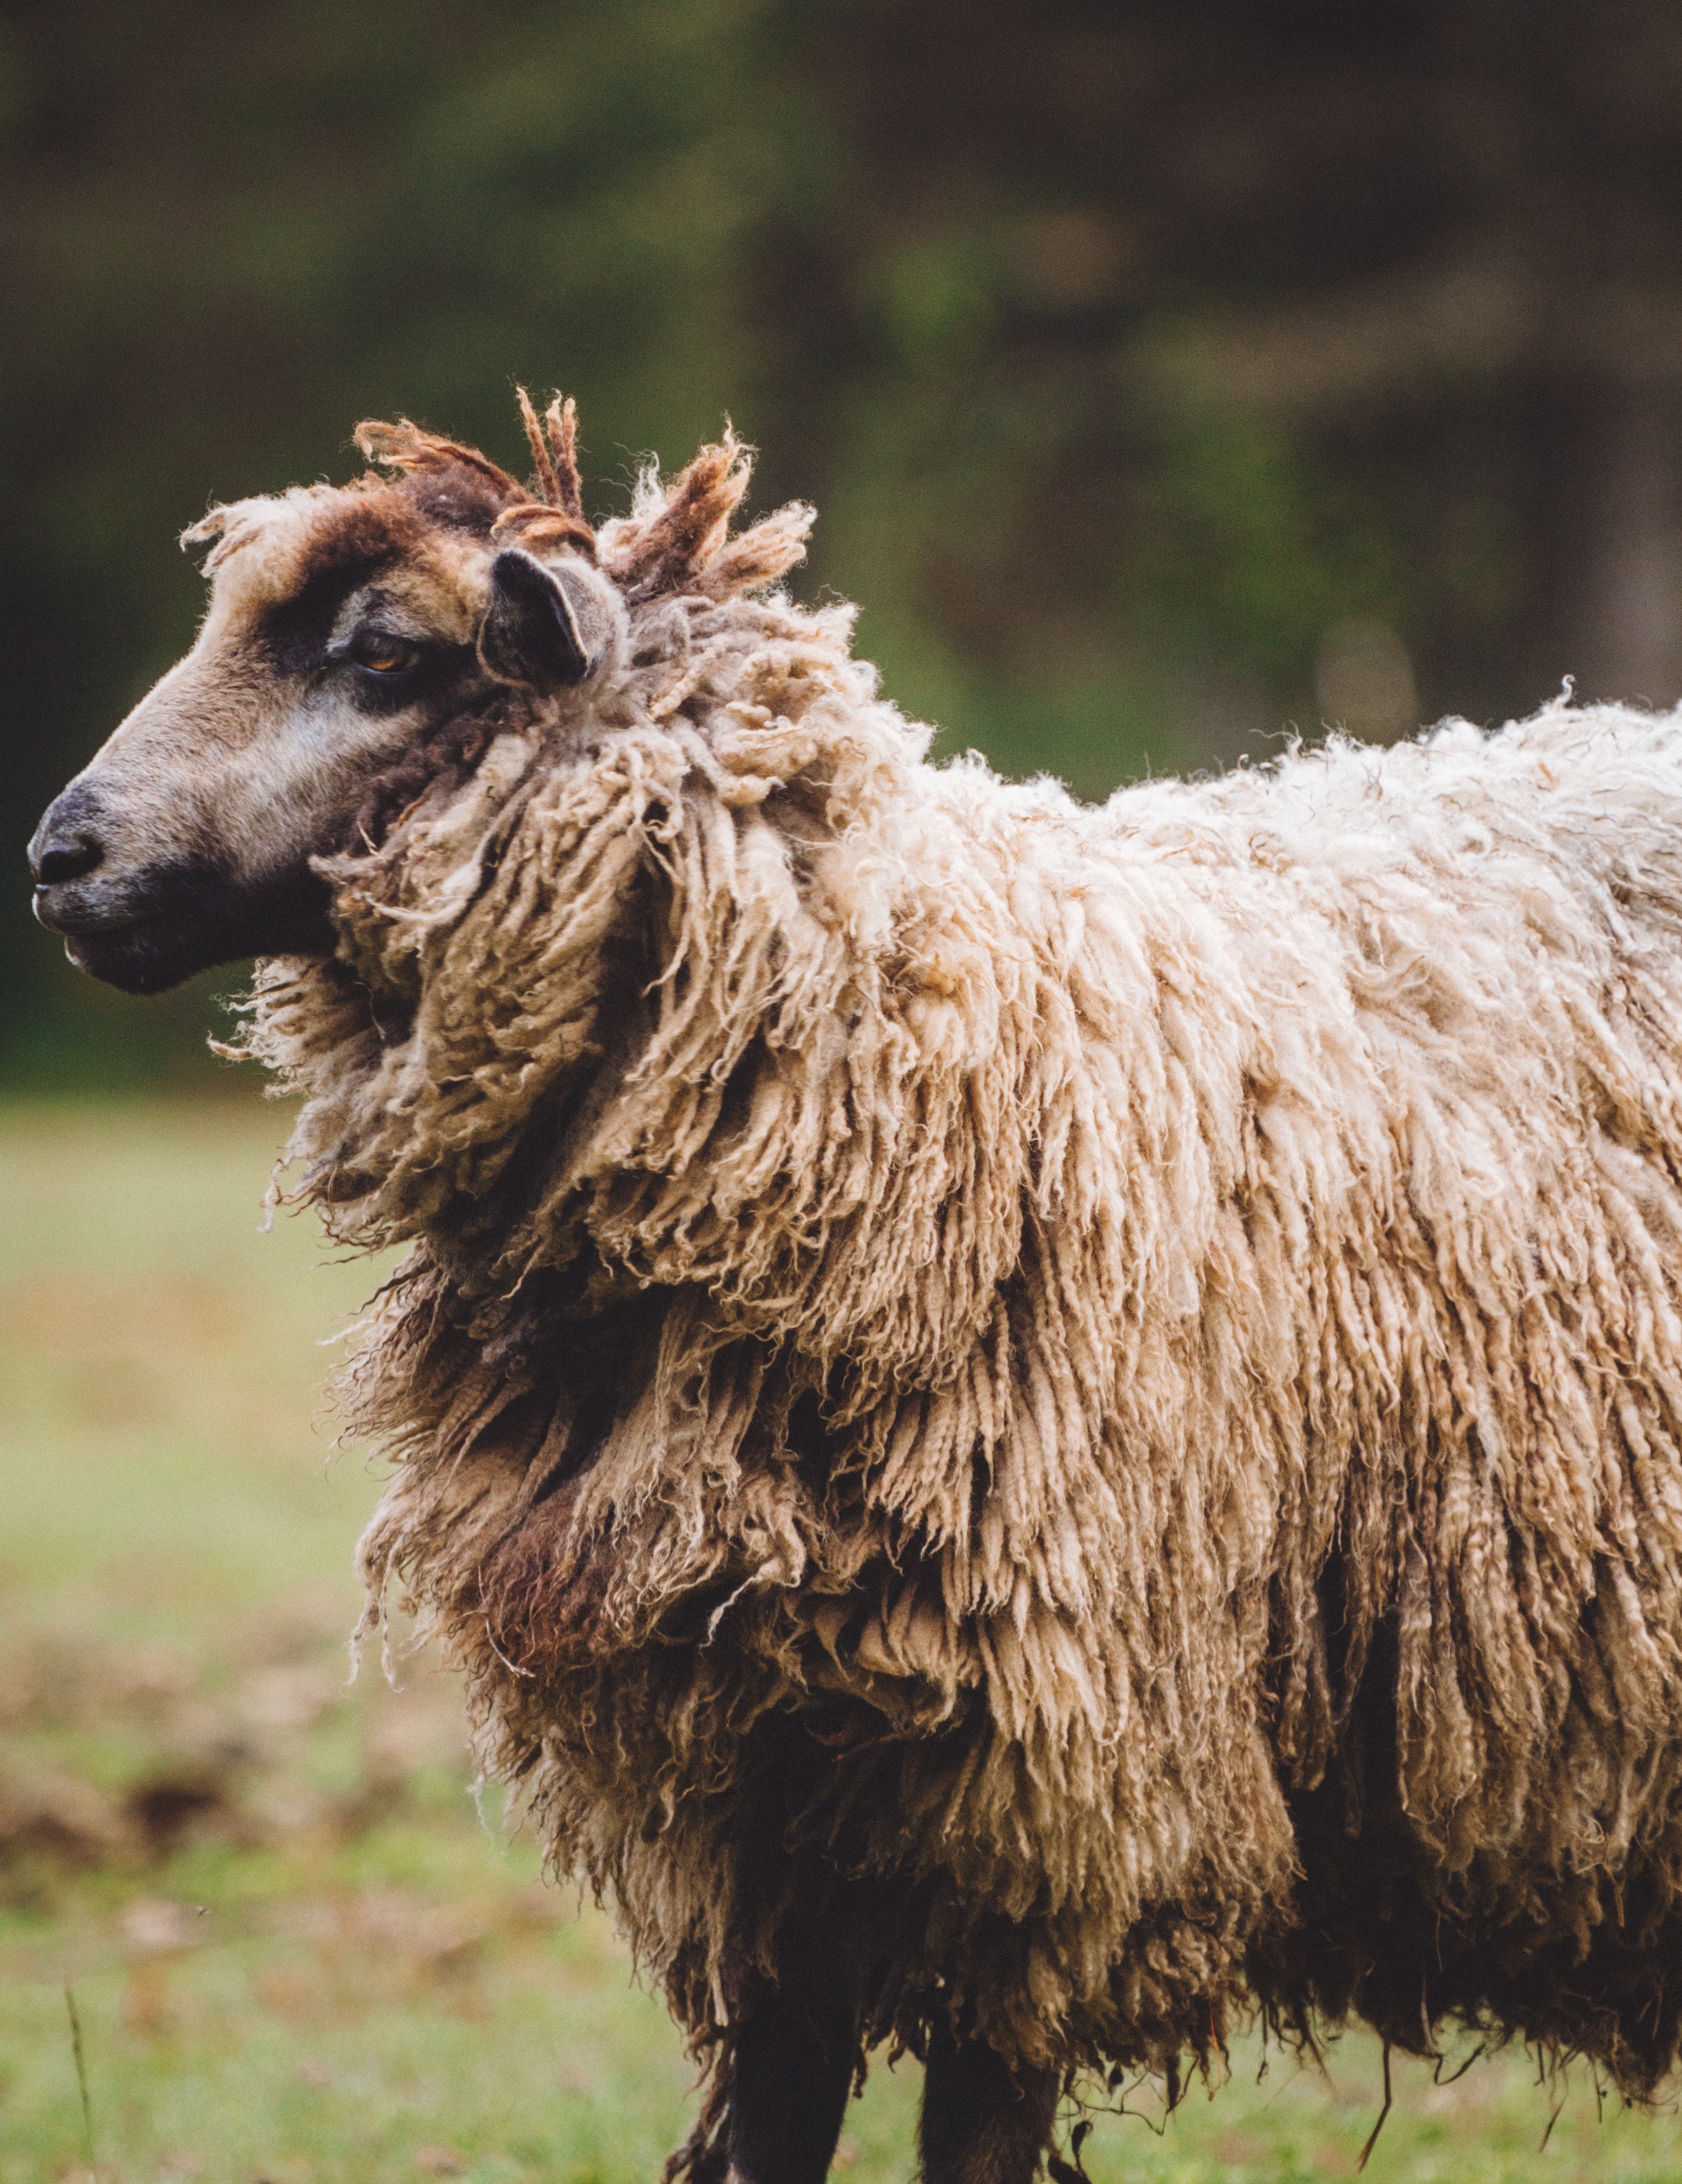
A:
(344, 624)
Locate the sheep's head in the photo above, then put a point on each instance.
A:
(346, 627)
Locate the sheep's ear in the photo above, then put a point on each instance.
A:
(546, 626)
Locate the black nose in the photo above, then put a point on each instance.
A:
(67, 852)
(68, 843)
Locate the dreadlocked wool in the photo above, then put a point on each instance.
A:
(1103, 1385)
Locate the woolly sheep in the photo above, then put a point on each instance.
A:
(1033, 1424)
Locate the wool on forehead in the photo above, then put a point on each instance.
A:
(676, 536)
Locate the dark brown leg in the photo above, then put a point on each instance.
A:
(982, 2123)
(791, 2073)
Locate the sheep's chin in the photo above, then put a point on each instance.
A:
(140, 958)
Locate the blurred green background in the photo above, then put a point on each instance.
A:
(1164, 374)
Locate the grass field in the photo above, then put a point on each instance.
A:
(294, 1950)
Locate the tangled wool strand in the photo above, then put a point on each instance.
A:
(1107, 1379)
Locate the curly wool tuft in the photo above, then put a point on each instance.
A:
(1104, 1383)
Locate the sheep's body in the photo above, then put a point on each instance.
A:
(1106, 1382)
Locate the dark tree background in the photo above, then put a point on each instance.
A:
(1164, 373)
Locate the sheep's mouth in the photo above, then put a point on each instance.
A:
(113, 943)
(65, 907)
(183, 919)
(145, 953)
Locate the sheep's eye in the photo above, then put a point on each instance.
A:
(385, 655)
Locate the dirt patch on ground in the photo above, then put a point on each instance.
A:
(120, 1756)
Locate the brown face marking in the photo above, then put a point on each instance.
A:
(187, 839)
(343, 555)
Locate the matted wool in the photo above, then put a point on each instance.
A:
(1103, 1383)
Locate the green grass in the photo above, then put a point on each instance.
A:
(296, 1952)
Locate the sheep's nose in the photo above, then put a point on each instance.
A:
(66, 857)
(67, 845)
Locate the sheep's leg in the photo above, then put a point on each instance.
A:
(982, 2122)
(791, 2072)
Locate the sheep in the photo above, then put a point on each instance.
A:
(1036, 1427)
